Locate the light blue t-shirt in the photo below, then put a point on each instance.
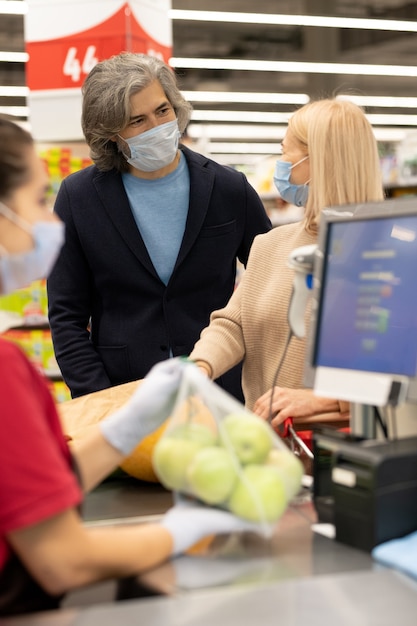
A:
(160, 209)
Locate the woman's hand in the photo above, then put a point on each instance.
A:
(286, 403)
(204, 368)
(300, 404)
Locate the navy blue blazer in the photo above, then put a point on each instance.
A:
(111, 316)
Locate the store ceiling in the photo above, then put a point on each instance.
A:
(297, 43)
(260, 42)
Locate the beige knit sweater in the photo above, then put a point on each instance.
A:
(253, 326)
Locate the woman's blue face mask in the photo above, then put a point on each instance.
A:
(291, 193)
(20, 269)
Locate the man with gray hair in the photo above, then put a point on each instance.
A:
(153, 232)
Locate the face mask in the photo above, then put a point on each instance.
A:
(20, 269)
(154, 149)
(293, 194)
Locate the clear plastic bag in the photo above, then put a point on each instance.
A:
(218, 452)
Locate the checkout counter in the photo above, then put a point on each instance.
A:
(300, 576)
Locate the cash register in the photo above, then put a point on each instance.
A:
(362, 347)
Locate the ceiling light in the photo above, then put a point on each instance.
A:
(11, 91)
(244, 148)
(239, 96)
(13, 7)
(274, 134)
(321, 21)
(392, 120)
(240, 116)
(390, 134)
(13, 57)
(15, 111)
(236, 131)
(360, 69)
(240, 159)
(381, 101)
(279, 98)
(262, 117)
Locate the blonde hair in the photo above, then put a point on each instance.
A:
(343, 156)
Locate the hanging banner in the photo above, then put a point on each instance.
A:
(64, 40)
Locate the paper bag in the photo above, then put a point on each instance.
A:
(80, 414)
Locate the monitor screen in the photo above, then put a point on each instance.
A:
(364, 320)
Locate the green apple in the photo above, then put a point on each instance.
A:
(249, 436)
(259, 495)
(291, 469)
(212, 474)
(171, 458)
(193, 431)
(174, 452)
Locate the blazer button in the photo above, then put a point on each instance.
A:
(164, 348)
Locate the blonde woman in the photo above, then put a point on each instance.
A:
(329, 158)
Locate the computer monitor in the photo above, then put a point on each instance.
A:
(362, 340)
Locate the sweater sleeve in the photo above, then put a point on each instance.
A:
(221, 344)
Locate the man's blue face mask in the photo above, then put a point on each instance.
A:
(154, 149)
(293, 194)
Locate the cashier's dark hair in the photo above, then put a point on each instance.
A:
(14, 168)
(106, 102)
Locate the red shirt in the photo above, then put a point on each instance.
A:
(36, 480)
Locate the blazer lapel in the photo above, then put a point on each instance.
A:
(201, 185)
(113, 197)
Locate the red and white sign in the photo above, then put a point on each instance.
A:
(65, 39)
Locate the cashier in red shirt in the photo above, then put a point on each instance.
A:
(45, 550)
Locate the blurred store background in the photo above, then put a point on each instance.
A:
(245, 66)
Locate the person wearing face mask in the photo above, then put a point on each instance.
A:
(329, 158)
(45, 550)
(153, 232)
(21, 269)
(290, 192)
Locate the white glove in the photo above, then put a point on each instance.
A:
(147, 409)
(189, 522)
